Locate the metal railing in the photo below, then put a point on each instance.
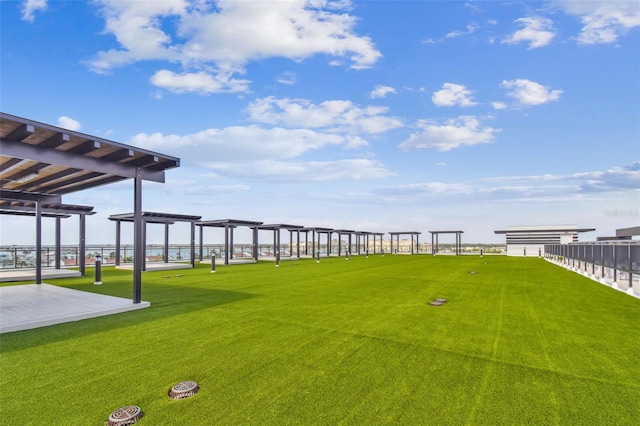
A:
(615, 263)
(23, 256)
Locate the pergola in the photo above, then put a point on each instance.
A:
(340, 233)
(434, 247)
(316, 231)
(229, 225)
(165, 219)
(410, 233)
(374, 234)
(58, 212)
(276, 228)
(40, 163)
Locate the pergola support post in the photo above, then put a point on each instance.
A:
(58, 252)
(38, 242)
(81, 255)
(138, 238)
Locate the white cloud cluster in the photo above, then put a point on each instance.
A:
(214, 41)
(541, 188)
(610, 180)
(304, 171)
(30, 7)
(471, 28)
(200, 82)
(335, 115)
(253, 152)
(453, 94)
(287, 78)
(527, 92)
(603, 21)
(453, 133)
(68, 123)
(381, 91)
(537, 30)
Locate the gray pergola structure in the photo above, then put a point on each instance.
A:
(41, 163)
(397, 235)
(374, 234)
(316, 231)
(340, 233)
(276, 228)
(58, 212)
(362, 239)
(434, 247)
(165, 219)
(229, 225)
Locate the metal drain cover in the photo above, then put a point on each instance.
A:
(125, 416)
(436, 303)
(184, 390)
(441, 300)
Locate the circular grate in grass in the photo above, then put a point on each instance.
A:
(472, 272)
(441, 300)
(183, 390)
(125, 416)
(436, 303)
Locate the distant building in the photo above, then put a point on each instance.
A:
(530, 240)
(622, 234)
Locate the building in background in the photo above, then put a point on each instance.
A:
(530, 240)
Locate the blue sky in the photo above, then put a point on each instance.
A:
(376, 116)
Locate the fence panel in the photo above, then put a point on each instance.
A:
(608, 256)
(635, 259)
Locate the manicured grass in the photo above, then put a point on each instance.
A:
(340, 342)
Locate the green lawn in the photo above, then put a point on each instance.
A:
(520, 342)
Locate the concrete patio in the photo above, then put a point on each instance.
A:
(27, 306)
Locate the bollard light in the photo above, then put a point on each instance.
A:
(98, 280)
(213, 263)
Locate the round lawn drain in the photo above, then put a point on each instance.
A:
(472, 272)
(184, 390)
(436, 303)
(125, 416)
(441, 300)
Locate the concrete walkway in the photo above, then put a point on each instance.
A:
(27, 306)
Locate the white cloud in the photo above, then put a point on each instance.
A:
(215, 42)
(454, 133)
(538, 31)
(239, 144)
(499, 105)
(426, 188)
(381, 91)
(30, 7)
(200, 186)
(303, 171)
(287, 78)
(614, 179)
(471, 28)
(200, 82)
(335, 115)
(68, 123)
(603, 21)
(453, 94)
(257, 153)
(528, 92)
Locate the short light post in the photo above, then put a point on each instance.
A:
(277, 258)
(213, 263)
(98, 280)
(318, 257)
(366, 254)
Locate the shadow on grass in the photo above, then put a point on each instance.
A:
(167, 300)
